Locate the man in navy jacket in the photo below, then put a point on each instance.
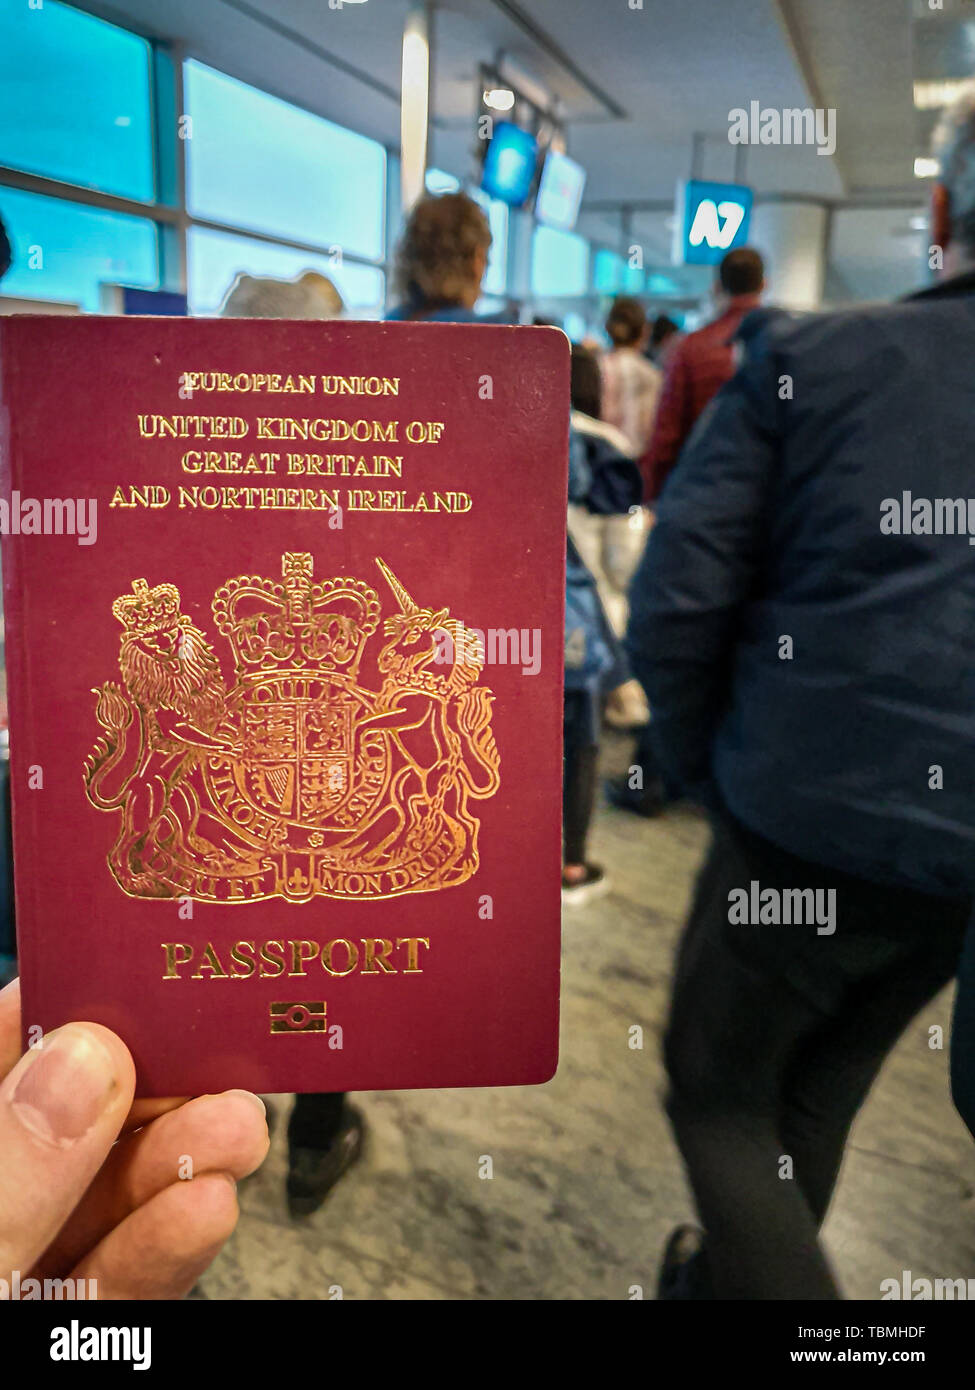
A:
(804, 625)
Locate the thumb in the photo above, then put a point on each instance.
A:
(61, 1108)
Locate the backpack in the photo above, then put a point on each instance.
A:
(593, 657)
(617, 484)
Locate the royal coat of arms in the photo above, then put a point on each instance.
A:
(295, 781)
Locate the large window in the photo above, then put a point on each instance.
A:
(634, 279)
(496, 277)
(91, 139)
(65, 251)
(256, 162)
(215, 258)
(614, 275)
(438, 182)
(560, 263)
(74, 99)
(608, 272)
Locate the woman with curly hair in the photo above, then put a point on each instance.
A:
(441, 260)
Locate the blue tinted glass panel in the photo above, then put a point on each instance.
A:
(496, 278)
(65, 251)
(661, 284)
(608, 272)
(216, 258)
(254, 161)
(560, 263)
(439, 182)
(74, 99)
(575, 327)
(394, 200)
(487, 307)
(633, 279)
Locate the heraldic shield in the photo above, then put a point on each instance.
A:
(297, 780)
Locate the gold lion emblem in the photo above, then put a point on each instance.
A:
(297, 781)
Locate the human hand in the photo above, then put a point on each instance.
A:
(94, 1187)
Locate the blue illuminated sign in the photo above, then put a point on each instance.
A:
(509, 165)
(712, 219)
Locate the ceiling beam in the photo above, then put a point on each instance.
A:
(792, 33)
(548, 45)
(285, 31)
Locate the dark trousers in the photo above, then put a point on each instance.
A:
(316, 1120)
(653, 776)
(963, 1036)
(579, 774)
(775, 1037)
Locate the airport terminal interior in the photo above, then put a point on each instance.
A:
(154, 154)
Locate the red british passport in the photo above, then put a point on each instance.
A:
(284, 635)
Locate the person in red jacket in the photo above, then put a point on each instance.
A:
(699, 366)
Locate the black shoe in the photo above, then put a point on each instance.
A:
(312, 1173)
(580, 890)
(682, 1274)
(642, 801)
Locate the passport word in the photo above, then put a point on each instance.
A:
(271, 959)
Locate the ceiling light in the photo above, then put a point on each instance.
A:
(925, 168)
(499, 98)
(931, 96)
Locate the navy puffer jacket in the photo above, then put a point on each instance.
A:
(804, 658)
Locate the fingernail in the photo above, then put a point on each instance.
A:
(66, 1087)
(251, 1097)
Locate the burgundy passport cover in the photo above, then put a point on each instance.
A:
(286, 725)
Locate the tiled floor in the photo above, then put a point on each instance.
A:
(586, 1181)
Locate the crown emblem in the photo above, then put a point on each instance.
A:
(147, 610)
(296, 623)
(298, 778)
